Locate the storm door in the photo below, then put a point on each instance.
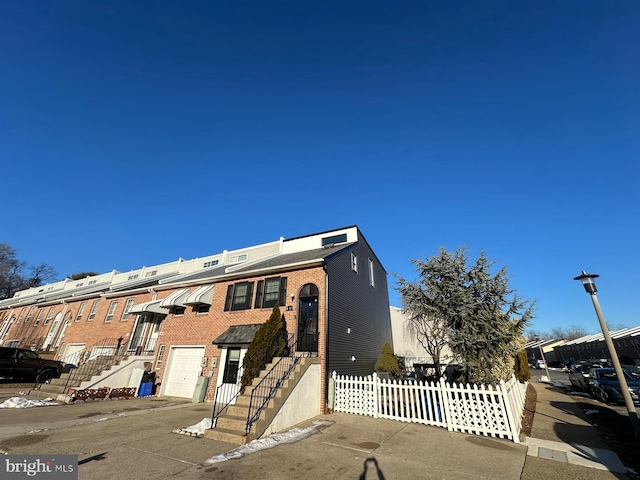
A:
(308, 319)
(145, 334)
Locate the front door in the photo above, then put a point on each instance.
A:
(308, 319)
(231, 375)
(145, 334)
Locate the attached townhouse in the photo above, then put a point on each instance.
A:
(192, 320)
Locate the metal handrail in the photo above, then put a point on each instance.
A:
(93, 359)
(218, 408)
(266, 389)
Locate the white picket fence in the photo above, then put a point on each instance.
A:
(477, 409)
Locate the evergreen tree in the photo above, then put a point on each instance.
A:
(521, 367)
(270, 341)
(387, 361)
(484, 318)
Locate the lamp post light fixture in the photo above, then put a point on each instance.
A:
(588, 281)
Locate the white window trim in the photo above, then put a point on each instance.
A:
(372, 281)
(112, 310)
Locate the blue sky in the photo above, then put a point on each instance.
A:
(135, 133)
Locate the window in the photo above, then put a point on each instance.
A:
(40, 315)
(238, 258)
(111, 311)
(91, 282)
(132, 277)
(372, 281)
(29, 314)
(271, 291)
(83, 305)
(201, 308)
(178, 311)
(151, 274)
(127, 308)
(160, 356)
(335, 239)
(79, 284)
(49, 316)
(210, 264)
(24, 309)
(239, 296)
(354, 262)
(94, 310)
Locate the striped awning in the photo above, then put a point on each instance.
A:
(148, 307)
(176, 299)
(202, 295)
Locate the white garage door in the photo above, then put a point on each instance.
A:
(183, 371)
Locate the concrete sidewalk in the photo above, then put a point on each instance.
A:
(563, 444)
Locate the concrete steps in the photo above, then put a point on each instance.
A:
(231, 426)
(56, 386)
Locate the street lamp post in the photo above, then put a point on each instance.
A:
(544, 360)
(587, 280)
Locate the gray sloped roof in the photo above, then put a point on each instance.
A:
(272, 262)
(293, 258)
(237, 334)
(204, 274)
(141, 282)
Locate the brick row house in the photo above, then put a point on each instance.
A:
(194, 319)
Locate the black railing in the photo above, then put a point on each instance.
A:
(266, 389)
(31, 343)
(92, 360)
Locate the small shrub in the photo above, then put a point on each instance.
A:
(387, 361)
(521, 367)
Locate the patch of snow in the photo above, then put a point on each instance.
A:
(591, 412)
(21, 402)
(197, 429)
(292, 436)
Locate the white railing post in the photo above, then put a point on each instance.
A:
(331, 394)
(376, 396)
(514, 430)
(445, 399)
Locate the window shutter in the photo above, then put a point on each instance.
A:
(247, 300)
(258, 303)
(283, 291)
(227, 303)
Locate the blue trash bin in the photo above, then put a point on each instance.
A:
(145, 389)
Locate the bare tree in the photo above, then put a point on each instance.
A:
(569, 333)
(431, 333)
(12, 273)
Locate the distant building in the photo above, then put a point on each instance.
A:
(406, 344)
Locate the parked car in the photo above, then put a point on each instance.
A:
(26, 364)
(579, 374)
(539, 364)
(605, 385)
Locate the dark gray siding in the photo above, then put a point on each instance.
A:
(353, 304)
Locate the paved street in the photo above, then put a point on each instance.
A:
(134, 439)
